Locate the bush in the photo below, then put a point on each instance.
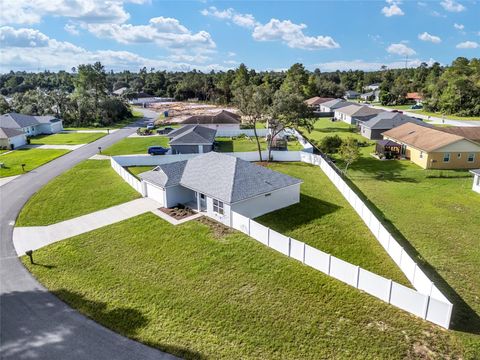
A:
(330, 144)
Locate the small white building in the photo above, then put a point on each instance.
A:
(31, 125)
(217, 184)
(12, 138)
(476, 180)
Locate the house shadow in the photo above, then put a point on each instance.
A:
(224, 146)
(383, 170)
(35, 324)
(308, 209)
(464, 318)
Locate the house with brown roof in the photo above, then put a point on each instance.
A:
(432, 148)
(355, 114)
(414, 96)
(316, 101)
(222, 119)
(468, 132)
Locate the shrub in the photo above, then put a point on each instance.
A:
(330, 144)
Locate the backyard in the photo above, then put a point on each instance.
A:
(135, 145)
(243, 144)
(89, 186)
(66, 138)
(223, 295)
(32, 158)
(429, 113)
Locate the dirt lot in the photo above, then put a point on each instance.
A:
(179, 111)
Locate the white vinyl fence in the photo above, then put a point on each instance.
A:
(428, 301)
(425, 306)
(129, 178)
(238, 132)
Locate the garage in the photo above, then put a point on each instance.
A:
(154, 192)
(11, 138)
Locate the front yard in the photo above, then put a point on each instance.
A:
(135, 145)
(199, 291)
(89, 186)
(66, 138)
(32, 158)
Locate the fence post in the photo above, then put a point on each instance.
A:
(390, 292)
(268, 237)
(289, 246)
(304, 250)
(358, 275)
(329, 263)
(427, 304)
(248, 226)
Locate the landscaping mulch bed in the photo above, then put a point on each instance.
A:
(178, 213)
(218, 229)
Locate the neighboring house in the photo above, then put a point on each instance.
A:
(354, 114)
(372, 87)
(31, 125)
(414, 96)
(430, 148)
(373, 128)
(468, 132)
(316, 101)
(350, 94)
(12, 138)
(476, 180)
(192, 139)
(220, 120)
(332, 105)
(218, 184)
(371, 96)
(120, 92)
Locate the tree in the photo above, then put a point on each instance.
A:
(349, 152)
(4, 106)
(287, 111)
(330, 144)
(253, 102)
(296, 80)
(91, 86)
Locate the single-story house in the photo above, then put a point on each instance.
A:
(218, 184)
(12, 138)
(373, 128)
(371, 96)
(468, 132)
(332, 105)
(192, 139)
(220, 120)
(431, 148)
(372, 87)
(476, 180)
(354, 114)
(119, 92)
(316, 101)
(414, 96)
(350, 94)
(31, 125)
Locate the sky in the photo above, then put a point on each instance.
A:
(37, 35)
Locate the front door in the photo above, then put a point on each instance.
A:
(404, 150)
(203, 202)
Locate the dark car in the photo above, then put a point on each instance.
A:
(150, 126)
(157, 150)
(165, 130)
(397, 111)
(416, 107)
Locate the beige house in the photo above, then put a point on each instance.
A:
(430, 148)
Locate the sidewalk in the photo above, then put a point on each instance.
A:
(35, 237)
(6, 180)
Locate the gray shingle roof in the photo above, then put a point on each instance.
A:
(6, 133)
(15, 121)
(332, 102)
(46, 119)
(192, 135)
(221, 117)
(388, 120)
(166, 174)
(223, 177)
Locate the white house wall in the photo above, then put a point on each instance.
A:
(156, 193)
(460, 146)
(263, 204)
(225, 218)
(178, 195)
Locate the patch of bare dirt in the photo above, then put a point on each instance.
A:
(218, 229)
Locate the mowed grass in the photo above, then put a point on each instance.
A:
(66, 138)
(226, 144)
(433, 114)
(32, 158)
(199, 293)
(135, 170)
(135, 145)
(325, 220)
(89, 186)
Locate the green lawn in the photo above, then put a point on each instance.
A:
(66, 138)
(429, 113)
(199, 293)
(326, 127)
(135, 170)
(32, 158)
(89, 186)
(226, 144)
(135, 145)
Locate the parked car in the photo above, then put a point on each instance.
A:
(157, 150)
(165, 130)
(397, 111)
(416, 107)
(150, 126)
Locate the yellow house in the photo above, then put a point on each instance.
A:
(435, 149)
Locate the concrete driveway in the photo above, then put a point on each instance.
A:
(35, 324)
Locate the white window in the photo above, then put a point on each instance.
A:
(218, 207)
(471, 157)
(421, 154)
(446, 157)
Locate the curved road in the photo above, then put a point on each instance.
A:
(35, 324)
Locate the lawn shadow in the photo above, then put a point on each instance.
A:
(308, 209)
(464, 318)
(224, 145)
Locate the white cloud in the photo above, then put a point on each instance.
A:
(428, 37)
(89, 11)
(165, 32)
(47, 53)
(244, 20)
(231, 62)
(468, 45)
(368, 65)
(452, 6)
(459, 26)
(292, 35)
(400, 49)
(71, 29)
(392, 9)
(231, 54)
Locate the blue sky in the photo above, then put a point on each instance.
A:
(182, 35)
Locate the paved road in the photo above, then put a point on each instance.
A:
(433, 119)
(35, 324)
